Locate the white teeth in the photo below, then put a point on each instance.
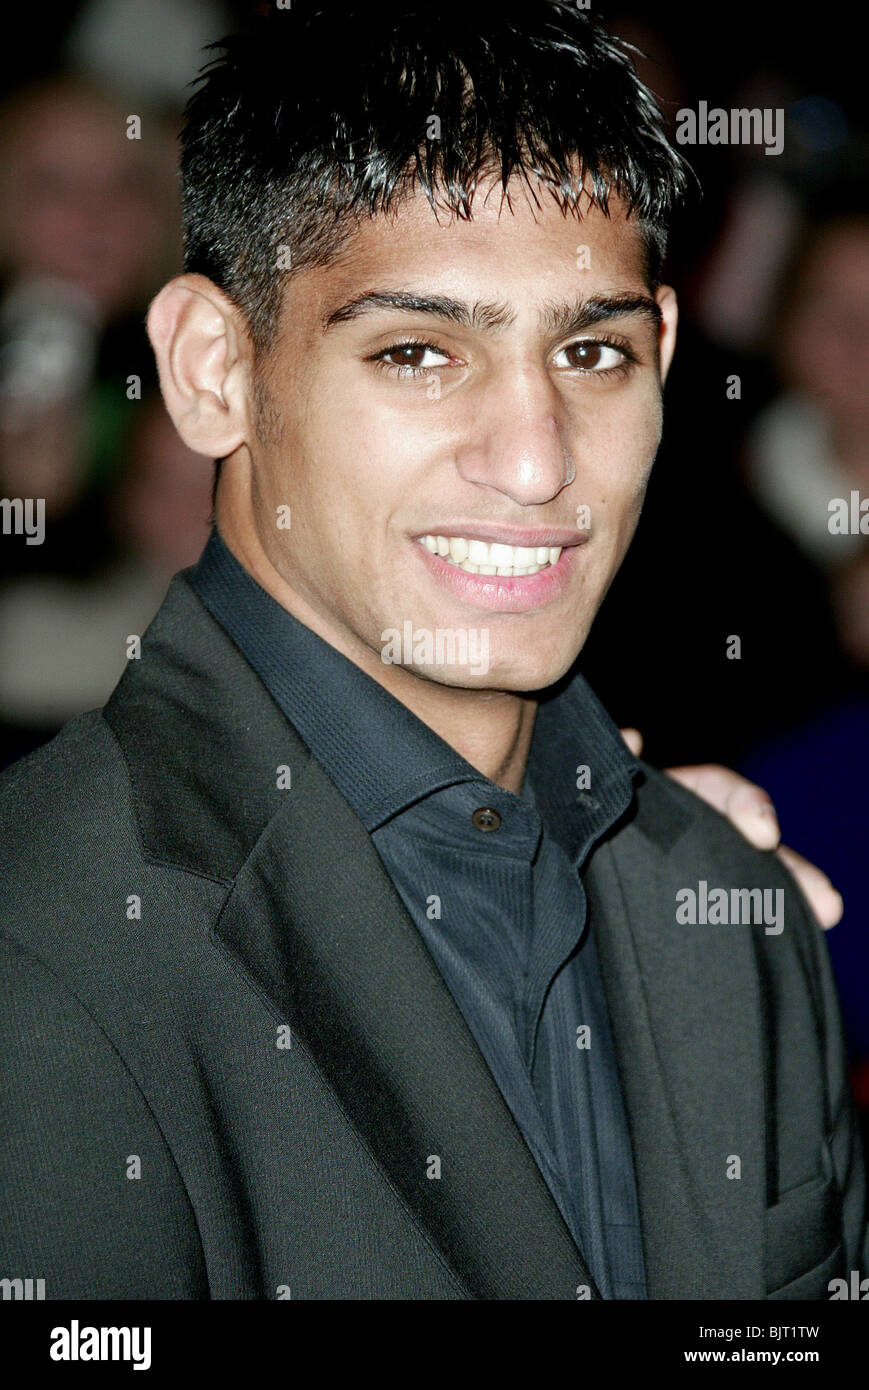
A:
(481, 557)
(478, 551)
(523, 556)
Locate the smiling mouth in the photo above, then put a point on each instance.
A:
(484, 557)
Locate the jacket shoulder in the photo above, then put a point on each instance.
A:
(55, 793)
(699, 842)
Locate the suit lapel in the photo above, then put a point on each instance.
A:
(687, 1032)
(322, 933)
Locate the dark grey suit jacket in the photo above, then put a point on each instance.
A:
(156, 1141)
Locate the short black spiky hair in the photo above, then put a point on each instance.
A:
(322, 113)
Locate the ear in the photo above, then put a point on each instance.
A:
(203, 355)
(669, 306)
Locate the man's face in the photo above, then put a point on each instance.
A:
(520, 424)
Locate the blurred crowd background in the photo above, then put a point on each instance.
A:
(767, 416)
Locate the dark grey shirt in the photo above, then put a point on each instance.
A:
(502, 910)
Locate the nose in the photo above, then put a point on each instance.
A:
(516, 441)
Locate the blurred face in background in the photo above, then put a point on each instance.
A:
(825, 343)
(81, 202)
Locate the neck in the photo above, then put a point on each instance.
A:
(490, 729)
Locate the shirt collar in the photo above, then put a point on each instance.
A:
(378, 753)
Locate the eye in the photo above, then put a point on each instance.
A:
(591, 356)
(411, 359)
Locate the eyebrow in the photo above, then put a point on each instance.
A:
(557, 316)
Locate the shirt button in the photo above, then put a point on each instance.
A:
(486, 819)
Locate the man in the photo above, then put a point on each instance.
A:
(349, 947)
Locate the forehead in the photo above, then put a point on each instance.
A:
(505, 250)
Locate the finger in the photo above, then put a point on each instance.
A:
(747, 806)
(634, 739)
(751, 811)
(822, 897)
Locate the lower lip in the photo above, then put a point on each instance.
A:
(498, 592)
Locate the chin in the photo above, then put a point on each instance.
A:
(524, 675)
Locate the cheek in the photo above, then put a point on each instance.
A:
(614, 456)
(340, 495)
(374, 466)
(364, 428)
